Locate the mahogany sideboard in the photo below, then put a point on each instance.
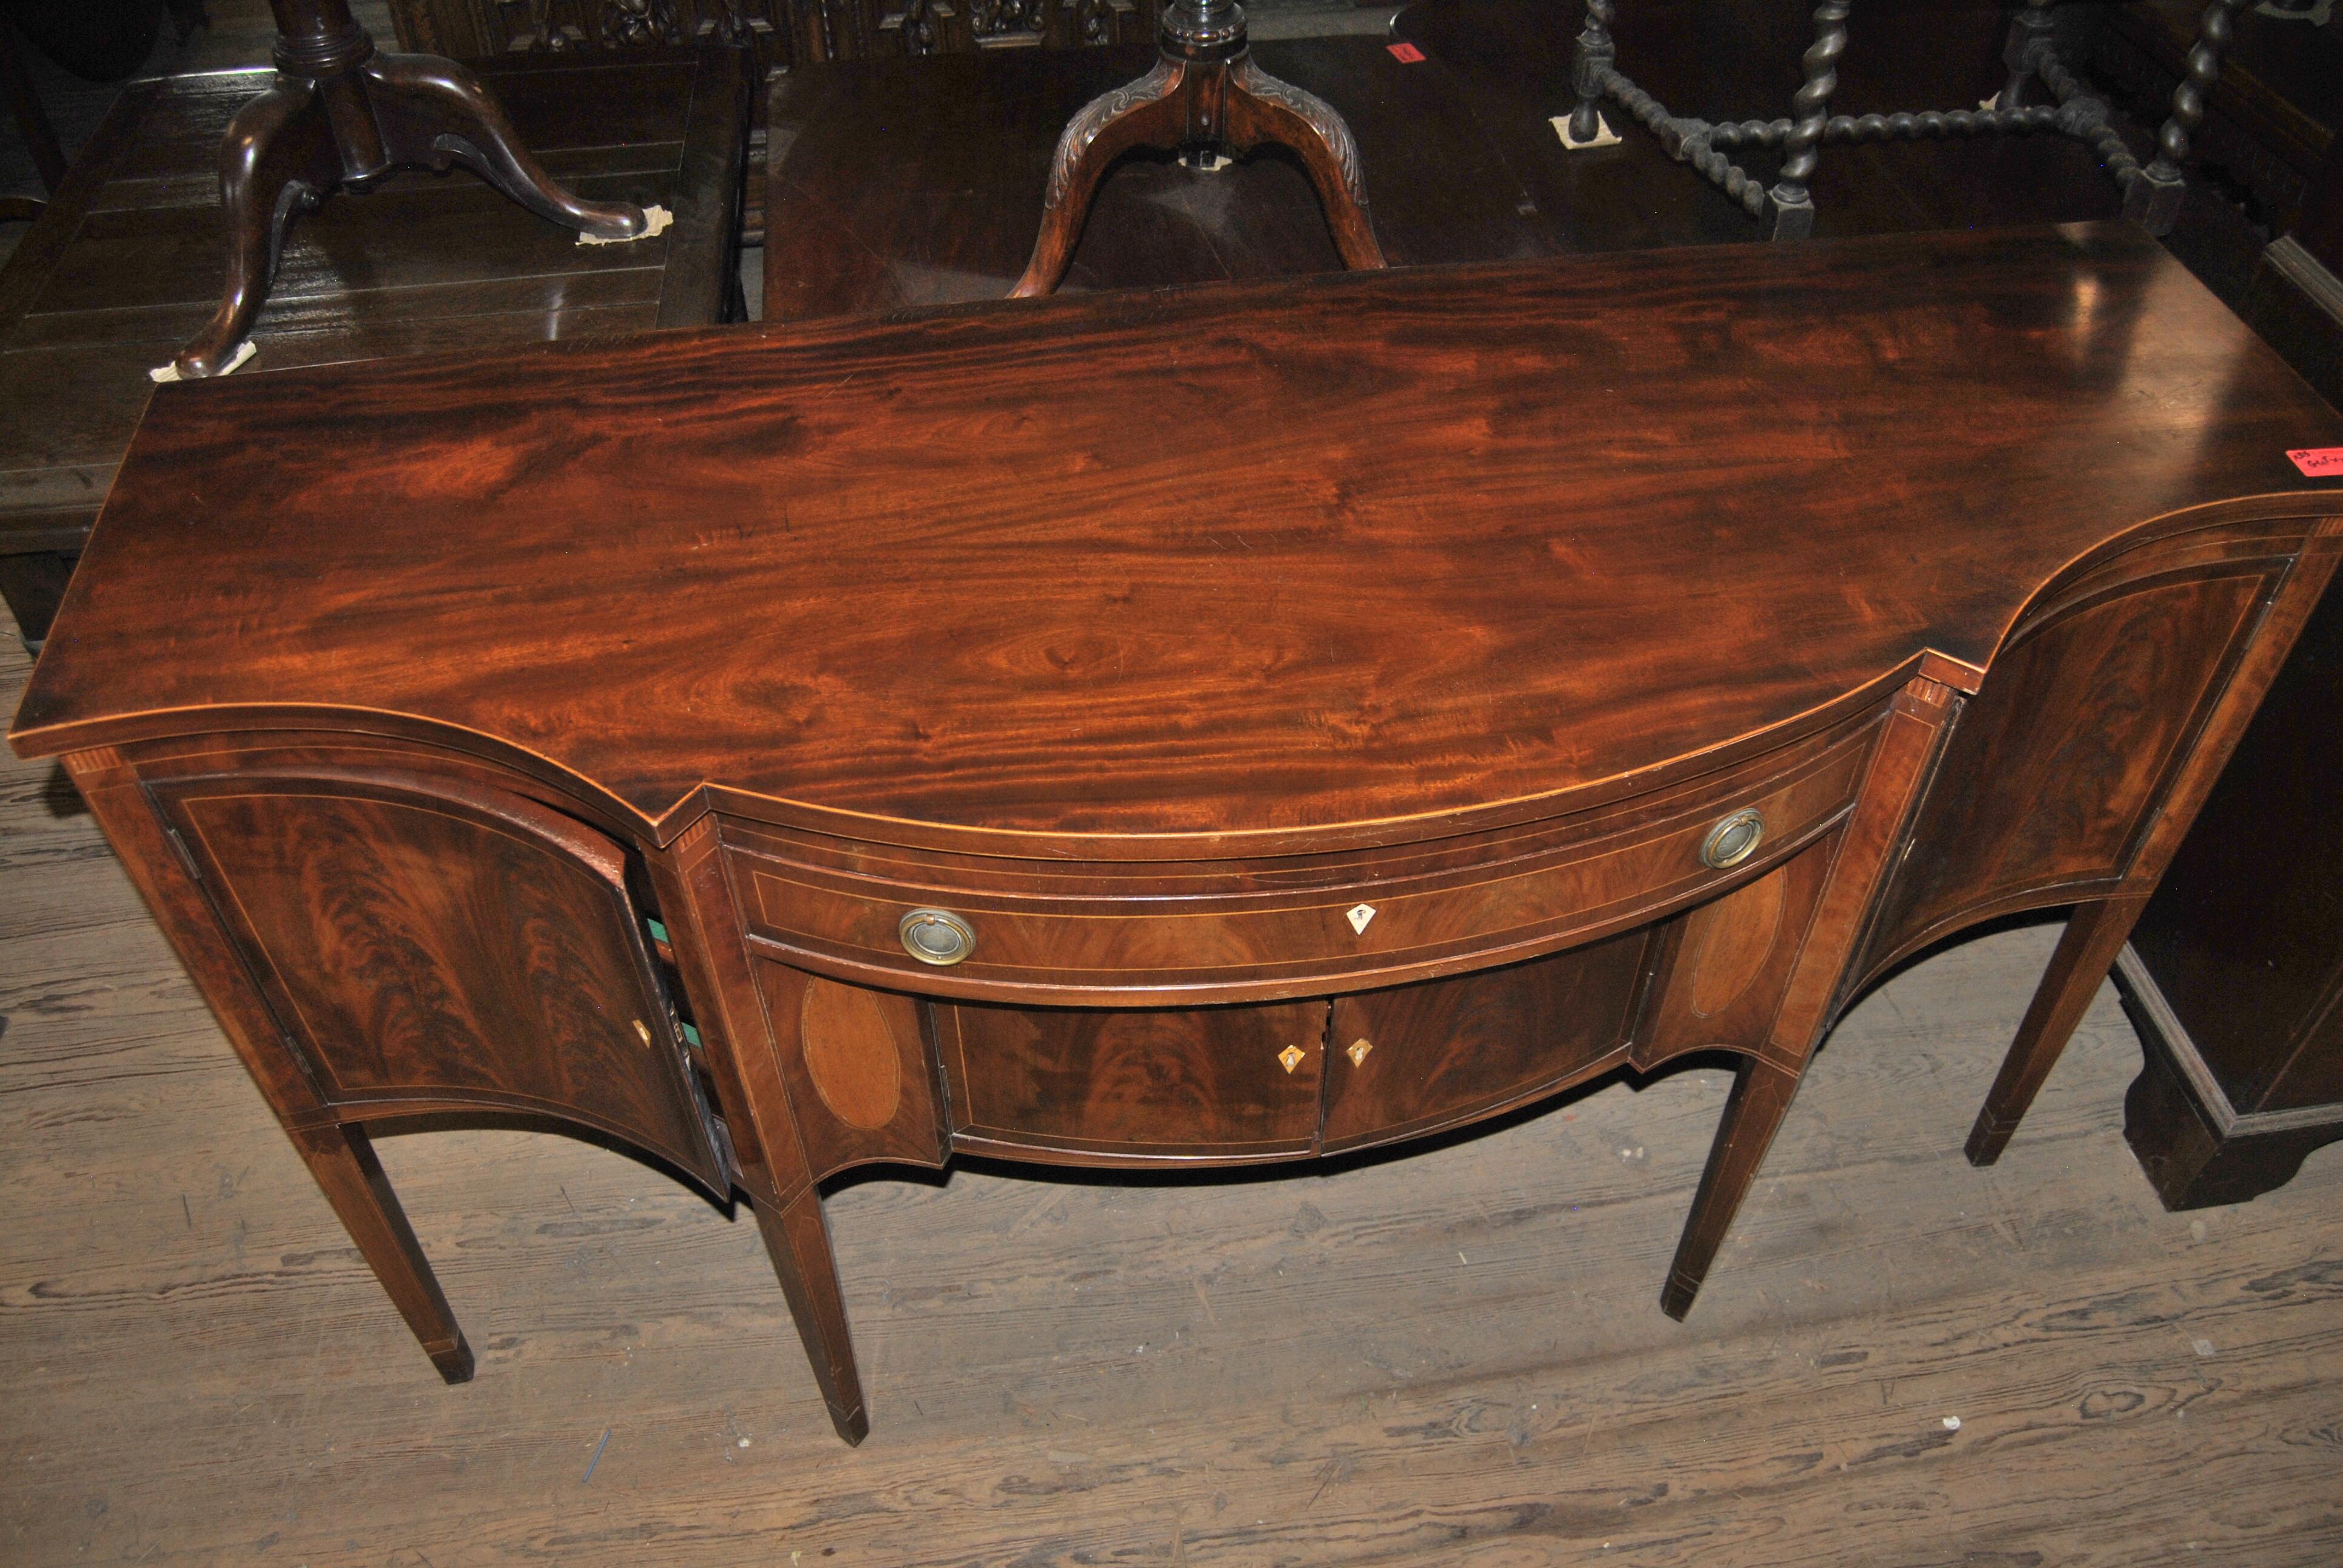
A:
(1182, 728)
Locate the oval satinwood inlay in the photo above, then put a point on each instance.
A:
(851, 1053)
(1731, 939)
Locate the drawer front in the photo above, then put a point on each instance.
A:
(1132, 1087)
(1419, 1058)
(1170, 932)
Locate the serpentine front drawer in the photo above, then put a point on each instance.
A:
(994, 927)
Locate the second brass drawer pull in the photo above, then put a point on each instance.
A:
(1733, 839)
(937, 937)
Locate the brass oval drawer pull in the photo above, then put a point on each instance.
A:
(1733, 839)
(937, 937)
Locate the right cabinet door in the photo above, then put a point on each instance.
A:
(1133, 1087)
(1418, 1058)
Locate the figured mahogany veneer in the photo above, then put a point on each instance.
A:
(574, 732)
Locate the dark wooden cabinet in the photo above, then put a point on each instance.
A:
(2234, 974)
(1179, 728)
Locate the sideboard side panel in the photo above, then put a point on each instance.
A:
(164, 880)
(2060, 764)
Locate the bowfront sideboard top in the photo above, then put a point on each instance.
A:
(787, 749)
(1298, 558)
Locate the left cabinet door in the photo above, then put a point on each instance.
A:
(429, 946)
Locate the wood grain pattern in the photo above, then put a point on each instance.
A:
(1845, 374)
(1073, 931)
(1455, 1050)
(860, 1076)
(1135, 1088)
(127, 264)
(424, 955)
(2122, 679)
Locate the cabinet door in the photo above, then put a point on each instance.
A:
(428, 946)
(1219, 1084)
(1419, 1058)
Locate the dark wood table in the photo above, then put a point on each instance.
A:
(1183, 728)
(127, 263)
(920, 181)
(911, 182)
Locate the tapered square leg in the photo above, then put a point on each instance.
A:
(2095, 935)
(1761, 1098)
(342, 1161)
(799, 1240)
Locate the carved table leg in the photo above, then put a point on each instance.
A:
(1148, 112)
(1790, 205)
(342, 1159)
(798, 1237)
(1588, 67)
(1261, 110)
(2095, 935)
(2153, 200)
(1203, 91)
(2029, 35)
(434, 112)
(343, 115)
(279, 157)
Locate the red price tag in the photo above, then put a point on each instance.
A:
(1406, 54)
(2318, 462)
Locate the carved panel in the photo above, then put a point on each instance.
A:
(962, 26)
(476, 29)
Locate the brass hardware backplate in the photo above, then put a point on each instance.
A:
(1358, 1051)
(1733, 839)
(1290, 1058)
(936, 937)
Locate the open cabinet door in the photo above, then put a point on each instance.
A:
(429, 946)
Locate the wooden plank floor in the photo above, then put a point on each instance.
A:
(1452, 1357)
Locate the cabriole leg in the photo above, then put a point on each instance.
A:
(435, 113)
(799, 1240)
(342, 1161)
(279, 158)
(1145, 113)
